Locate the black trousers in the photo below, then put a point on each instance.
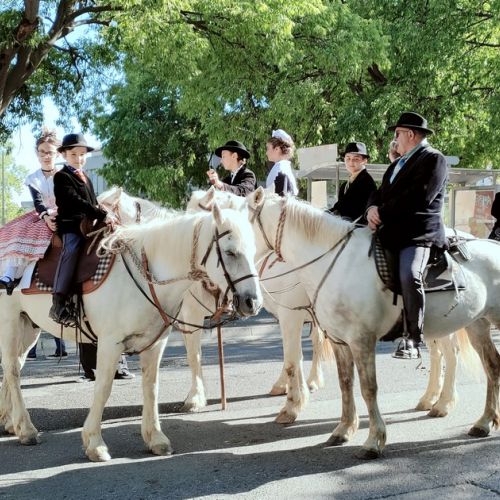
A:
(412, 262)
(88, 358)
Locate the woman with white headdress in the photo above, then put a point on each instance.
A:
(279, 149)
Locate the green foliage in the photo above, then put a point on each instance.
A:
(325, 71)
(152, 150)
(14, 176)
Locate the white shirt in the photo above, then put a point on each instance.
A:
(45, 186)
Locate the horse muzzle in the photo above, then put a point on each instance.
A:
(248, 305)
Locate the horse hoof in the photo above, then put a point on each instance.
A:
(313, 387)
(30, 440)
(436, 412)
(98, 455)
(424, 406)
(365, 454)
(478, 432)
(335, 441)
(277, 391)
(285, 418)
(189, 408)
(162, 449)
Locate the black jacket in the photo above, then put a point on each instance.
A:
(352, 203)
(243, 183)
(495, 212)
(75, 199)
(410, 207)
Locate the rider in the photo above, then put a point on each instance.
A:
(241, 180)
(354, 193)
(75, 199)
(406, 210)
(26, 238)
(279, 150)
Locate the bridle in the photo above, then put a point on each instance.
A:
(342, 242)
(195, 274)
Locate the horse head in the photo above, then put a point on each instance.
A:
(204, 200)
(229, 259)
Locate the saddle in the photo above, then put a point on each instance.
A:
(442, 273)
(90, 271)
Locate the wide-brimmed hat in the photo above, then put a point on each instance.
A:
(74, 141)
(235, 147)
(357, 148)
(414, 121)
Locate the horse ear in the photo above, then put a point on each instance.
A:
(258, 196)
(207, 199)
(217, 213)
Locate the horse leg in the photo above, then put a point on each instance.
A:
(291, 324)
(280, 387)
(349, 420)
(448, 398)
(196, 398)
(434, 385)
(316, 380)
(155, 440)
(364, 357)
(108, 354)
(16, 340)
(480, 337)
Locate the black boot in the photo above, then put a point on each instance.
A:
(9, 284)
(59, 312)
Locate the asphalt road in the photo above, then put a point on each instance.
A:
(241, 451)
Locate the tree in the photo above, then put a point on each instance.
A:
(50, 48)
(326, 71)
(12, 176)
(152, 149)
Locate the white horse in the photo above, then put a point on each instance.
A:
(217, 246)
(283, 297)
(355, 315)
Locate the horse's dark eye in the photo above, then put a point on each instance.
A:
(230, 253)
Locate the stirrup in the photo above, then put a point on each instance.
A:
(405, 350)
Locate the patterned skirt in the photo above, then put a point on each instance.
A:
(23, 240)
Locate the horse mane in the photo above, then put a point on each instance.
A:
(149, 209)
(147, 233)
(224, 200)
(313, 223)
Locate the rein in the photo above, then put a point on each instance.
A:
(342, 242)
(195, 274)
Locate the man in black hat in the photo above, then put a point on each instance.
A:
(406, 210)
(241, 180)
(75, 199)
(354, 193)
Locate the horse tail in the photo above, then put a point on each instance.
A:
(322, 344)
(468, 355)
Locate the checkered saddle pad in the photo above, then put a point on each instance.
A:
(91, 271)
(443, 273)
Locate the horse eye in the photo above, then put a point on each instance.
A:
(230, 253)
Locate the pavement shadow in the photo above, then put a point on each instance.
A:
(198, 470)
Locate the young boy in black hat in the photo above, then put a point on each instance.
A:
(75, 199)
(241, 180)
(354, 193)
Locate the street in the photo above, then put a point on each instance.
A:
(241, 451)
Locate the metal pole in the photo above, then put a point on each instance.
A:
(3, 186)
(221, 367)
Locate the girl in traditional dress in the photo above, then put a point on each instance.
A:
(26, 238)
(280, 149)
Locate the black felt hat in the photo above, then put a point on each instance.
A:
(74, 141)
(356, 147)
(413, 121)
(235, 147)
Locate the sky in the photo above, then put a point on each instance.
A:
(24, 142)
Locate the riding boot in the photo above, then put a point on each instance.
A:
(58, 312)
